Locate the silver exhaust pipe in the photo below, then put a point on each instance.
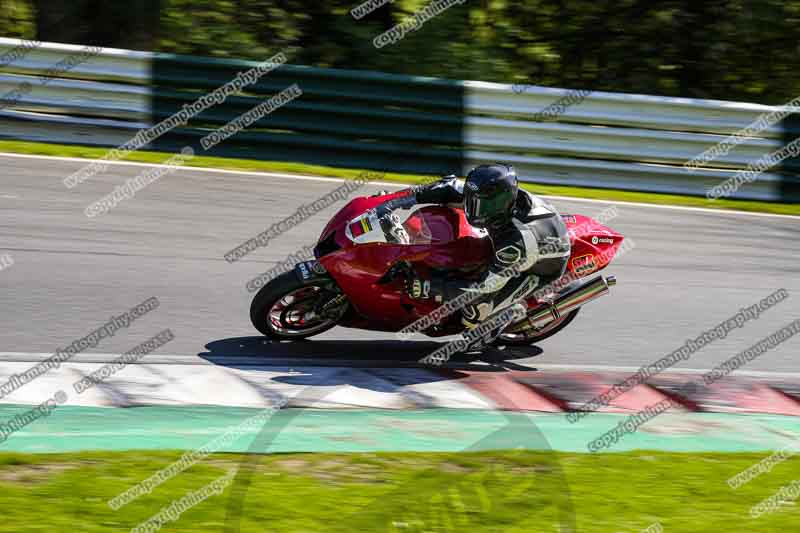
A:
(567, 302)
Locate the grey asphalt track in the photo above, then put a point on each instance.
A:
(688, 271)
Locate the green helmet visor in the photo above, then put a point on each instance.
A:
(483, 210)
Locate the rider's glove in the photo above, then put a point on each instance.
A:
(406, 201)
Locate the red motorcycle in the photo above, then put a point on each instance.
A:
(357, 278)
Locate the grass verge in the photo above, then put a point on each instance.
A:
(88, 152)
(514, 491)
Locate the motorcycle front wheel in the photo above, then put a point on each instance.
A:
(286, 309)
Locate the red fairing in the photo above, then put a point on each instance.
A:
(593, 245)
(441, 238)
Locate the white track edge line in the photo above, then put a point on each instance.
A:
(392, 184)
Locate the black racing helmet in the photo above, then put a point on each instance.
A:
(490, 192)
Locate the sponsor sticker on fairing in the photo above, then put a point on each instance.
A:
(304, 272)
(584, 264)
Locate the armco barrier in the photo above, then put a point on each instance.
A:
(382, 121)
(101, 101)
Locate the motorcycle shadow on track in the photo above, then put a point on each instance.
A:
(247, 352)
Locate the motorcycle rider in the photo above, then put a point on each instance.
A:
(531, 243)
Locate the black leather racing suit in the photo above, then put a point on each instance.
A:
(535, 242)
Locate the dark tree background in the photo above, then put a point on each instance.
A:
(727, 49)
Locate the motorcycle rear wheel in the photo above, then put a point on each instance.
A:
(284, 309)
